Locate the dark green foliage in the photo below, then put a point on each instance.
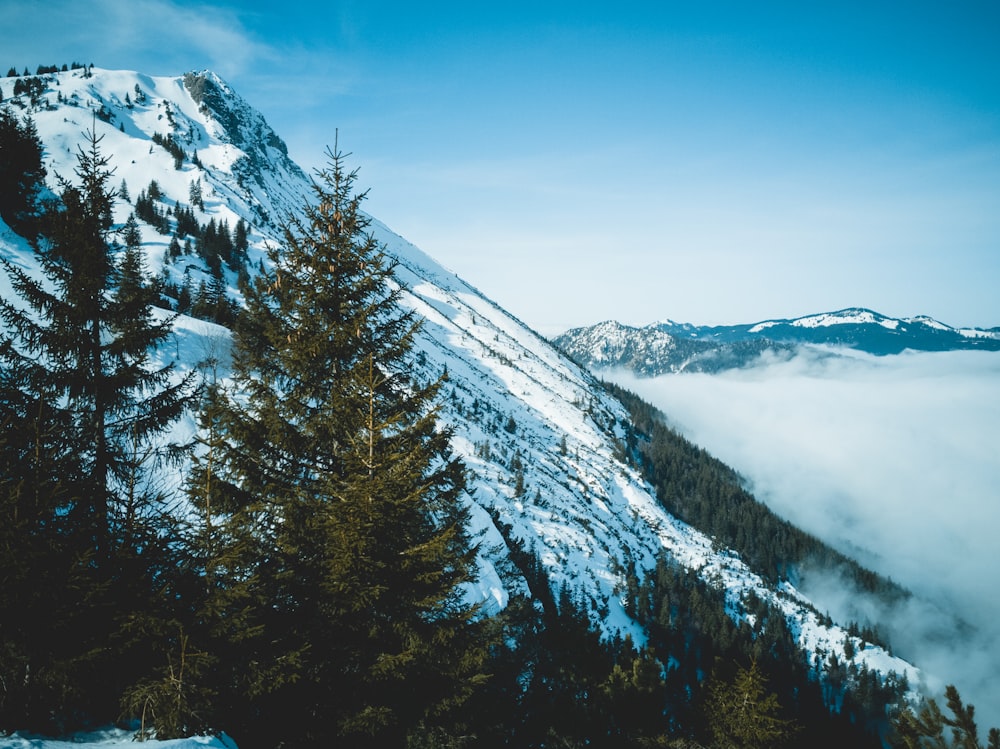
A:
(76, 368)
(585, 692)
(67, 341)
(556, 683)
(195, 194)
(184, 296)
(187, 224)
(174, 699)
(33, 88)
(147, 209)
(38, 565)
(742, 714)
(211, 302)
(215, 244)
(690, 628)
(130, 233)
(172, 147)
(21, 173)
(343, 531)
(930, 728)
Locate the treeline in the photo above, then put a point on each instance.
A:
(34, 86)
(46, 69)
(214, 241)
(704, 492)
(689, 627)
(304, 585)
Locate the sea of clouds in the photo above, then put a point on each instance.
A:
(892, 460)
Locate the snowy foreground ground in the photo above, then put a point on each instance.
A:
(113, 737)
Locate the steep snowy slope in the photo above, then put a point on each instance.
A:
(541, 438)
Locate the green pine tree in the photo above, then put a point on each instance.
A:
(930, 728)
(77, 355)
(344, 527)
(742, 714)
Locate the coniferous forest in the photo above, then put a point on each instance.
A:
(303, 585)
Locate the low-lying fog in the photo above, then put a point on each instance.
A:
(893, 460)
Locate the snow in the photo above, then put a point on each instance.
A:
(930, 322)
(112, 738)
(825, 320)
(867, 317)
(585, 513)
(846, 317)
(977, 333)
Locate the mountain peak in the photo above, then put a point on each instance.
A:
(243, 125)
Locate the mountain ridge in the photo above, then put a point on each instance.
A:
(670, 347)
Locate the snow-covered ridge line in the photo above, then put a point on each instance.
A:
(538, 434)
(669, 347)
(860, 316)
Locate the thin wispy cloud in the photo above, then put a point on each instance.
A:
(157, 36)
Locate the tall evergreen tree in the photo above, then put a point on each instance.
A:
(344, 523)
(77, 358)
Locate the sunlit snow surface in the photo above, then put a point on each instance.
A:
(510, 397)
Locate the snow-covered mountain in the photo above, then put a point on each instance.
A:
(541, 437)
(666, 347)
(652, 350)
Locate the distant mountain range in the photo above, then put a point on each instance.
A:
(669, 347)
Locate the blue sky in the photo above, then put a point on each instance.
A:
(710, 162)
